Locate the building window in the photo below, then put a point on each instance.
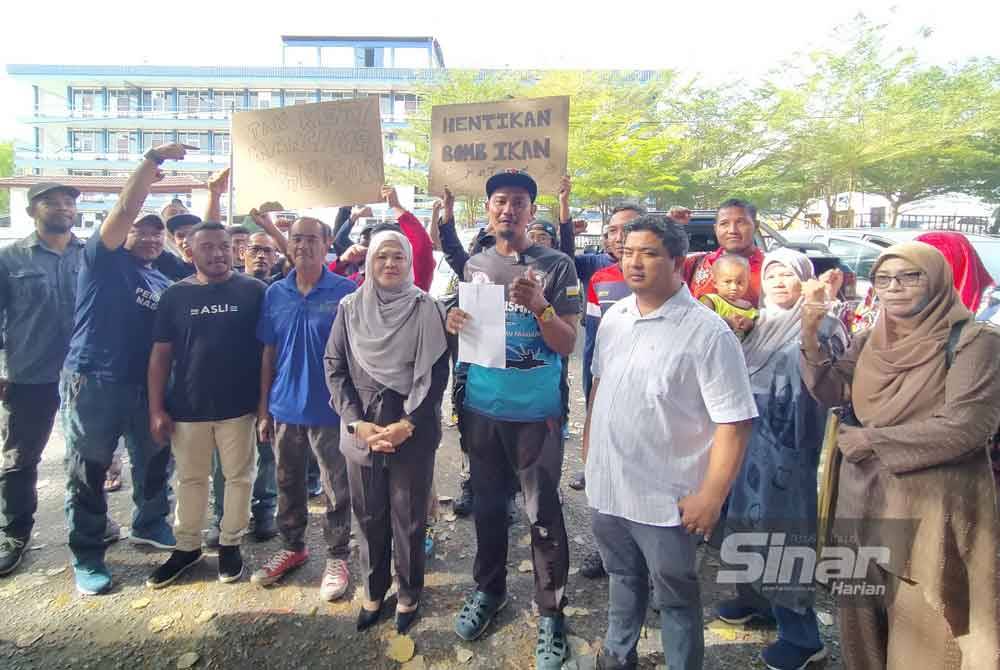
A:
(155, 138)
(123, 101)
(192, 101)
(326, 96)
(222, 143)
(226, 101)
(299, 97)
(199, 140)
(405, 105)
(154, 100)
(84, 141)
(369, 57)
(121, 142)
(264, 99)
(85, 100)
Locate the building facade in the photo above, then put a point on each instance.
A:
(98, 120)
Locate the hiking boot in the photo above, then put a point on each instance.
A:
(176, 565)
(336, 578)
(278, 566)
(550, 650)
(466, 502)
(12, 551)
(230, 563)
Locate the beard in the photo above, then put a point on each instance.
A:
(57, 225)
(508, 234)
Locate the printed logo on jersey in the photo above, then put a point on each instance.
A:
(214, 309)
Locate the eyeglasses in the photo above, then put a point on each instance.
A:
(253, 251)
(905, 279)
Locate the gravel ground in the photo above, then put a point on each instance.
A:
(206, 624)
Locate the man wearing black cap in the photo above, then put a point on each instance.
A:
(511, 415)
(37, 289)
(103, 385)
(174, 267)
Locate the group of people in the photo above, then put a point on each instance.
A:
(245, 357)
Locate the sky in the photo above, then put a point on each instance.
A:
(710, 39)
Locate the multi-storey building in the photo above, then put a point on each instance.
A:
(96, 121)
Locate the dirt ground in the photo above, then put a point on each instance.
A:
(201, 622)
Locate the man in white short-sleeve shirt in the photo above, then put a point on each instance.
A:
(670, 418)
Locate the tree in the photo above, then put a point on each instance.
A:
(6, 170)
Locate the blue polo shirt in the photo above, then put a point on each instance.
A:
(116, 299)
(298, 326)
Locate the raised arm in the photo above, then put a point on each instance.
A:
(262, 218)
(115, 229)
(217, 185)
(827, 379)
(420, 241)
(567, 241)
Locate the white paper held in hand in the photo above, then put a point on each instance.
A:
(483, 341)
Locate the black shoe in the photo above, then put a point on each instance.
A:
(11, 552)
(592, 567)
(315, 489)
(513, 513)
(175, 566)
(579, 482)
(466, 502)
(265, 528)
(368, 619)
(230, 563)
(212, 537)
(405, 620)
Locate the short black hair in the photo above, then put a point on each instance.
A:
(745, 205)
(629, 207)
(206, 225)
(237, 229)
(325, 229)
(382, 227)
(673, 237)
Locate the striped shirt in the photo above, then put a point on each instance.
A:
(666, 380)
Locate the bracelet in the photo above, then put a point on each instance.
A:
(154, 155)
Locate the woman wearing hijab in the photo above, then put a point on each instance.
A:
(775, 491)
(387, 367)
(924, 384)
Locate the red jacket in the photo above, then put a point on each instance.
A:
(423, 254)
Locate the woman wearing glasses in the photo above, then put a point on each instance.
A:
(923, 383)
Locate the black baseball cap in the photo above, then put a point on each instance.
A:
(544, 226)
(44, 187)
(512, 177)
(178, 220)
(153, 219)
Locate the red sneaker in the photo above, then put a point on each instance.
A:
(278, 566)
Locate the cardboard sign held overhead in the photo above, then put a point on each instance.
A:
(470, 143)
(324, 154)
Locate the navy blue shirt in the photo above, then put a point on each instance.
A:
(116, 299)
(298, 326)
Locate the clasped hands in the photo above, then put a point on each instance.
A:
(384, 439)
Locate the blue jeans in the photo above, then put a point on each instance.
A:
(94, 415)
(633, 554)
(265, 487)
(800, 630)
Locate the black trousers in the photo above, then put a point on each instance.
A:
(390, 500)
(534, 451)
(26, 420)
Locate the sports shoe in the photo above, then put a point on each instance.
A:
(579, 482)
(278, 566)
(175, 566)
(336, 578)
(161, 537)
(592, 567)
(551, 648)
(265, 528)
(428, 544)
(11, 552)
(230, 563)
(212, 537)
(735, 612)
(466, 502)
(783, 655)
(92, 581)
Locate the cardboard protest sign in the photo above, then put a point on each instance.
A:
(470, 143)
(328, 153)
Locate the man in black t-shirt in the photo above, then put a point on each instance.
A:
(205, 337)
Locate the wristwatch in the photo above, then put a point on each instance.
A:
(154, 155)
(546, 314)
(352, 427)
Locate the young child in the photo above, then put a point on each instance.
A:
(731, 276)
